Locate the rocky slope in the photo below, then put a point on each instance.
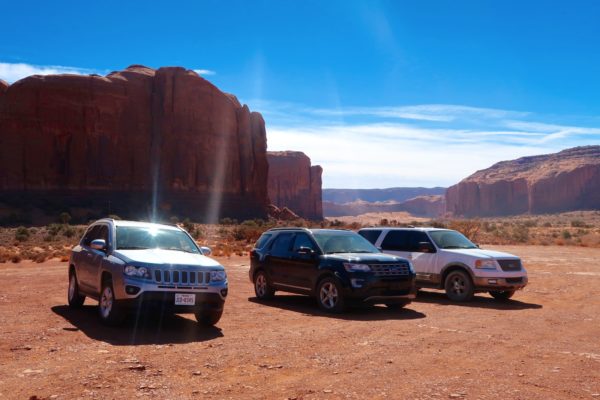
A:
(564, 181)
(421, 206)
(132, 142)
(397, 194)
(295, 184)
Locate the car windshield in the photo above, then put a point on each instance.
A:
(141, 238)
(343, 242)
(451, 240)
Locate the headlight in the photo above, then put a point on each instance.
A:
(351, 267)
(141, 272)
(485, 264)
(217, 276)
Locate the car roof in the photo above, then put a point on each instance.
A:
(140, 224)
(400, 228)
(297, 229)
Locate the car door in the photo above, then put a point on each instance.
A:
(84, 260)
(279, 258)
(302, 268)
(98, 258)
(423, 262)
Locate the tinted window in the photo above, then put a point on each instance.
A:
(103, 233)
(396, 240)
(91, 234)
(414, 238)
(281, 245)
(262, 240)
(451, 240)
(302, 240)
(370, 235)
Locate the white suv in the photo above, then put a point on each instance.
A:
(446, 259)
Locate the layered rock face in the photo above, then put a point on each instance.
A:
(564, 181)
(133, 142)
(295, 184)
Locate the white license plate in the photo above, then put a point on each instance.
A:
(185, 299)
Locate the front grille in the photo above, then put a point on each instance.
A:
(514, 280)
(510, 265)
(390, 269)
(181, 277)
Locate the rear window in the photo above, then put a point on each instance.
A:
(370, 235)
(262, 240)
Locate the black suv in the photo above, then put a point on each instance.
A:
(335, 266)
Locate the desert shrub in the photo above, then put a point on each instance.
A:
(336, 222)
(355, 226)
(566, 234)
(49, 238)
(188, 225)
(114, 216)
(436, 223)
(69, 231)
(577, 223)
(520, 234)
(15, 258)
(174, 220)
(249, 234)
(530, 223)
(468, 227)
(228, 221)
(22, 234)
(384, 222)
(54, 229)
(547, 225)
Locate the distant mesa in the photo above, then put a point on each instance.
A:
(552, 183)
(129, 141)
(296, 184)
(395, 194)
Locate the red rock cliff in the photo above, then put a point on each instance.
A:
(564, 181)
(130, 140)
(295, 184)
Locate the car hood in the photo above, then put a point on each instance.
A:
(481, 253)
(165, 257)
(364, 257)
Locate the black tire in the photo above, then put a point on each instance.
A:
(208, 318)
(330, 296)
(459, 286)
(262, 286)
(74, 298)
(109, 310)
(502, 295)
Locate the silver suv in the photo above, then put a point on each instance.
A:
(126, 265)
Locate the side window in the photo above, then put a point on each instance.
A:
(396, 240)
(91, 234)
(370, 235)
(103, 233)
(414, 238)
(302, 240)
(262, 240)
(281, 245)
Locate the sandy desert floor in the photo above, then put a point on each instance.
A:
(544, 344)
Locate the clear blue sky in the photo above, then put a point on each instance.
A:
(508, 78)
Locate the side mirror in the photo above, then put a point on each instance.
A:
(426, 247)
(305, 250)
(206, 251)
(98, 244)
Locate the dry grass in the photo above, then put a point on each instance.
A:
(568, 229)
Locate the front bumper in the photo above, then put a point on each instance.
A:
(212, 302)
(382, 291)
(500, 283)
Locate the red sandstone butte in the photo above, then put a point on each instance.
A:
(564, 181)
(295, 184)
(131, 140)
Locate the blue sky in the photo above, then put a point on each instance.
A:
(381, 93)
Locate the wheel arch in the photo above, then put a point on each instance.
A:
(455, 266)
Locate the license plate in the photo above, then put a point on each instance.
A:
(185, 299)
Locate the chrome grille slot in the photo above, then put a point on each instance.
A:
(192, 277)
(510, 265)
(157, 275)
(176, 277)
(390, 269)
(184, 277)
(166, 276)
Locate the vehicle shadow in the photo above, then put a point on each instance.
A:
(479, 301)
(140, 328)
(308, 306)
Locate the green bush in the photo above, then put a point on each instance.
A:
(22, 234)
(64, 218)
(566, 235)
(69, 231)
